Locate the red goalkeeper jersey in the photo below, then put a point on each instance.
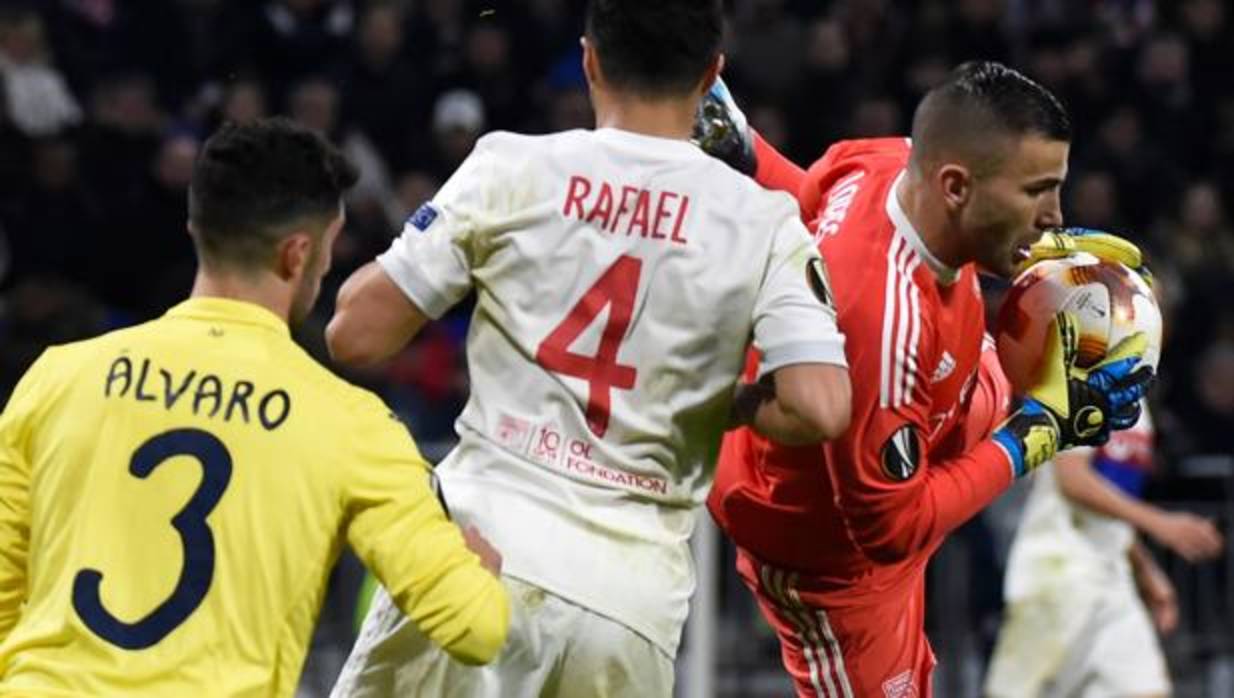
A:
(862, 514)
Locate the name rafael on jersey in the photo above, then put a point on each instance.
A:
(635, 202)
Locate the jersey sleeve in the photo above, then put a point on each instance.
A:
(432, 259)
(990, 403)
(775, 171)
(399, 530)
(794, 313)
(15, 425)
(896, 501)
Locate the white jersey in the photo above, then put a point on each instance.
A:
(619, 279)
(1059, 543)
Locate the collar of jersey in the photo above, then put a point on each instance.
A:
(215, 309)
(683, 147)
(946, 275)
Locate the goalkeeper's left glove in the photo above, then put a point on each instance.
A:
(1064, 242)
(721, 130)
(1072, 406)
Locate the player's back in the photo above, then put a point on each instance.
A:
(191, 481)
(626, 275)
(619, 278)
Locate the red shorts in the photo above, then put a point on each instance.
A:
(865, 651)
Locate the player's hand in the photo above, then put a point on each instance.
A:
(489, 557)
(1192, 537)
(1072, 406)
(1064, 242)
(1159, 597)
(721, 130)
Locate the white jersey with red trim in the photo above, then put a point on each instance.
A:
(619, 279)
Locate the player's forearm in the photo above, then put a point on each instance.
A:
(775, 171)
(1144, 568)
(908, 521)
(806, 404)
(373, 319)
(1080, 484)
(465, 610)
(421, 558)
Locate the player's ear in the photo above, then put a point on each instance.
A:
(955, 182)
(293, 256)
(591, 64)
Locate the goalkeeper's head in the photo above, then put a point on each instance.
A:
(265, 207)
(652, 50)
(989, 156)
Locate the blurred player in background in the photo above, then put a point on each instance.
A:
(173, 495)
(834, 541)
(620, 274)
(1080, 588)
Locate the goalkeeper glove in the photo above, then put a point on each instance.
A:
(1064, 242)
(1072, 406)
(721, 130)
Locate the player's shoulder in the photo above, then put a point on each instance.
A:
(852, 177)
(509, 147)
(872, 152)
(335, 395)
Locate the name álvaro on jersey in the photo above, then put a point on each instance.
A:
(203, 394)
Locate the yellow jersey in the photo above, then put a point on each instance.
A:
(173, 496)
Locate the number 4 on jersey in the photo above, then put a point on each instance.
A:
(616, 288)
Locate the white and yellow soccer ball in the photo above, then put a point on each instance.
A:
(1109, 301)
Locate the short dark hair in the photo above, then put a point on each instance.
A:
(251, 182)
(655, 47)
(980, 101)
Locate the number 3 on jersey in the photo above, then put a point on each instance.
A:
(195, 535)
(617, 288)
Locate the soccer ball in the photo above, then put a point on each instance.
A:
(1109, 301)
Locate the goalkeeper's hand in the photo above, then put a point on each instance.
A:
(1072, 406)
(1064, 242)
(721, 130)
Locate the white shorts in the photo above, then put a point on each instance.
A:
(1078, 642)
(555, 649)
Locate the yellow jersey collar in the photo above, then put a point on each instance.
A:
(228, 310)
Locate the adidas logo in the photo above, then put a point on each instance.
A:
(945, 366)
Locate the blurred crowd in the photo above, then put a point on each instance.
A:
(104, 104)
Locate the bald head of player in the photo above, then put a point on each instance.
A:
(265, 207)
(649, 62)
(989, 157)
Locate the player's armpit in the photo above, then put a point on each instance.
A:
(373, 319)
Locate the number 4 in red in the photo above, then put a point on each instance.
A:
(616, 288)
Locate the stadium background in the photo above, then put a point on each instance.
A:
(105, 103)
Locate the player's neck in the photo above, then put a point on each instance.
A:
(266, 293)
(662, 118)
(930, 222)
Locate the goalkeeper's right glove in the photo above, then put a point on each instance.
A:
(1064, 242)
(1072, 406)
(721, 130)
